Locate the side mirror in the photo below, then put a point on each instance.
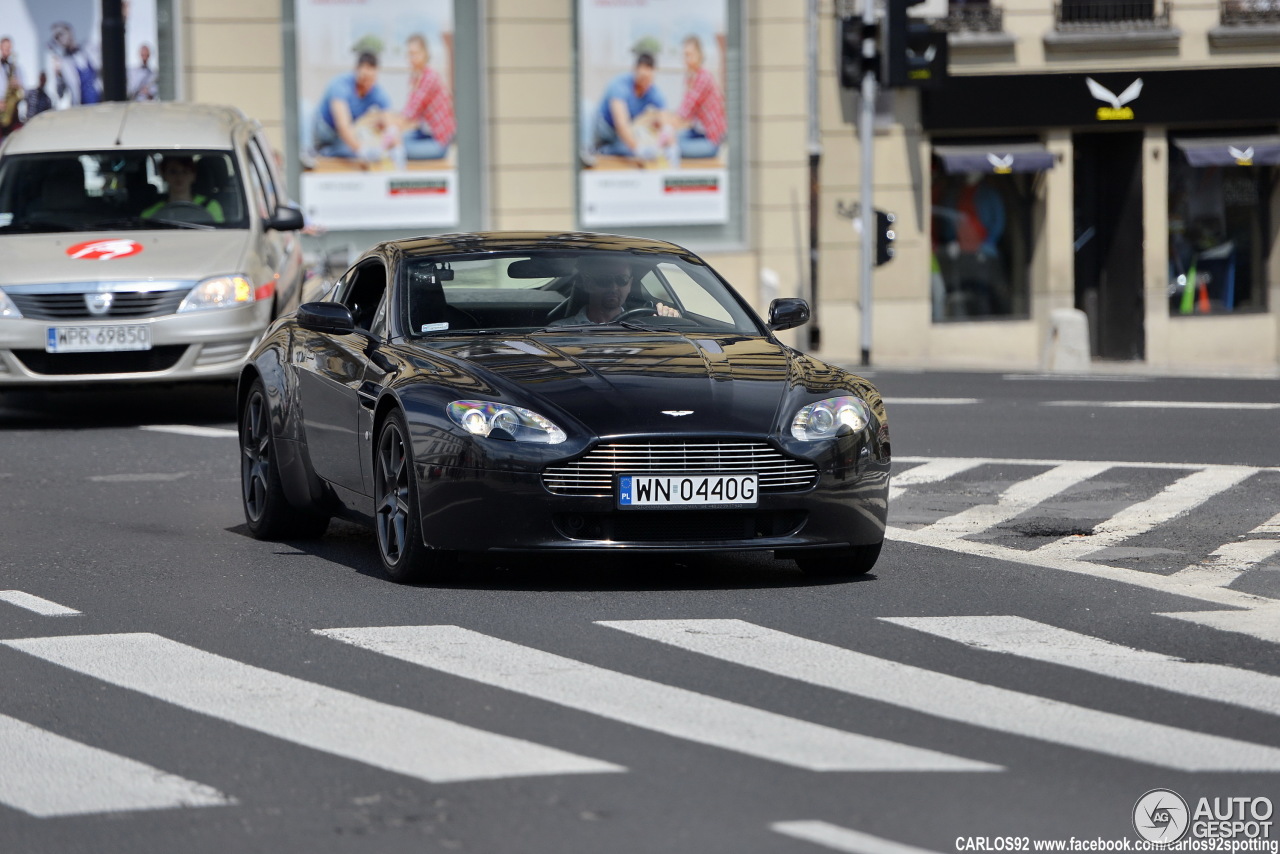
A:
(329, 317)
(285, 219)
(788, 313)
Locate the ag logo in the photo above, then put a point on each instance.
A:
(1161, 815)
(1117, 111)
(105, 250)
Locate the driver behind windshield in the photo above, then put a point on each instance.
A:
(179, 174)
(606, 282)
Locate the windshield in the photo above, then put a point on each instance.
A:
(569, 291)
(96, 190)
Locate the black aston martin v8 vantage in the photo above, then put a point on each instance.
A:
(524, 392)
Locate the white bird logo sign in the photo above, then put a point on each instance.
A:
(1001, 165)
(1243, 158)
(1117, 109)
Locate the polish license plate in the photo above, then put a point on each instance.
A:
(97, 339)
(686, 490)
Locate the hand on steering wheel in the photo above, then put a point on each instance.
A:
(655, 309)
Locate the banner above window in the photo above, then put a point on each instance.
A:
(996, 159)
(1230, 150)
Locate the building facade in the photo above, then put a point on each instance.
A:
(1115, 158)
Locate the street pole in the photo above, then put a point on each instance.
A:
(114, 86)
(815, 159)
(866, 134)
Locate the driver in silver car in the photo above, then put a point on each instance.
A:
(179, 174)
(607, 283)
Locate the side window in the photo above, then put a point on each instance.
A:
(693, 296)
(265, 178)
(364, 296)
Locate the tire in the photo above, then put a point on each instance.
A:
(397, 520)
(841, 563)
(267, 511)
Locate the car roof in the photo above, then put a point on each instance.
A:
(130, 125)
(524, 241)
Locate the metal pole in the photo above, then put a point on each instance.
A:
(815, 158)
(866, 136)
(114, 86)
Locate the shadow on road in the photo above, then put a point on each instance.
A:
(354, 546)
(87, 407)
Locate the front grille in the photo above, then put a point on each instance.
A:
(127, 362)
(593, 475)
(124, 304)
(682, 526)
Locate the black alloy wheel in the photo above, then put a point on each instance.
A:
(266, 509)
(405, 557)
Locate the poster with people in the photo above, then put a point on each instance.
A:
(376, 113)
(653, 128)
(51, 56)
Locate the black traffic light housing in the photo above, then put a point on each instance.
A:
(885, 235)
(850, 62)
(911, 53)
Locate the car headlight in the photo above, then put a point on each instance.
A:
(219, 292)
(7, 308)
(826, 418)
(481, 418)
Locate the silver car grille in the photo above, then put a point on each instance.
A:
(593, 475)
(72, 305)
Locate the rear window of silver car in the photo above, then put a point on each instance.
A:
(121, 189)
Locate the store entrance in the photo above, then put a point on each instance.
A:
(1108, 241)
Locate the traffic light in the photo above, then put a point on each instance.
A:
(850, 47)
(885, 235)
(911, 53)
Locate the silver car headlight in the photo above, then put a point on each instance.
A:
(7, 308)
(219, 292)
(482, 418)
(826, 418)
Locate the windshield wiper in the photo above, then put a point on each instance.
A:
(178, 223)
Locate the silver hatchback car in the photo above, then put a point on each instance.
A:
(141, 241)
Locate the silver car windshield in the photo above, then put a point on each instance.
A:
(569, 292)
(97, 190)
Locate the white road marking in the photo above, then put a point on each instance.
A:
(646, 704)
(1260, 622)
(1228, 562)
(193, 430)
(1040, 642)
(929, 471)
(34, 603)
(843, 839)
(931, 401)
(1017, 499)
(384, 736)
(140, 477)
(47, 775)
(1160, 404)
(1180, 497)
(953, 698)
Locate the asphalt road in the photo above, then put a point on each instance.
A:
(214, 693)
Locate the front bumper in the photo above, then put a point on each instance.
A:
(475, 510)
(199, 345)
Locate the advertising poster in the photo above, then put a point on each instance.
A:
(51, 55)
(376, 113)
(652, 120)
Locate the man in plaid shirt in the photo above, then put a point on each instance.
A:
(701, 114)
(428, 119)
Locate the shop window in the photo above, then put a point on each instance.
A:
(982, 233)
(1220, 233)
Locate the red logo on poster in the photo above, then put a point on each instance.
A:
(105, 250)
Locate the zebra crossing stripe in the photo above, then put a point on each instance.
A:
(1228, 562)
(1262, 622)
(343, 724)
(646, 704)
(47, 775)
(931, 471)
(1179, 497)
(1017, 499)
(953, 698)
(34, 603)
(843, 839)
(1040, 642)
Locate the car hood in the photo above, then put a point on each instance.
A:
(628, 383)
(170, 255)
